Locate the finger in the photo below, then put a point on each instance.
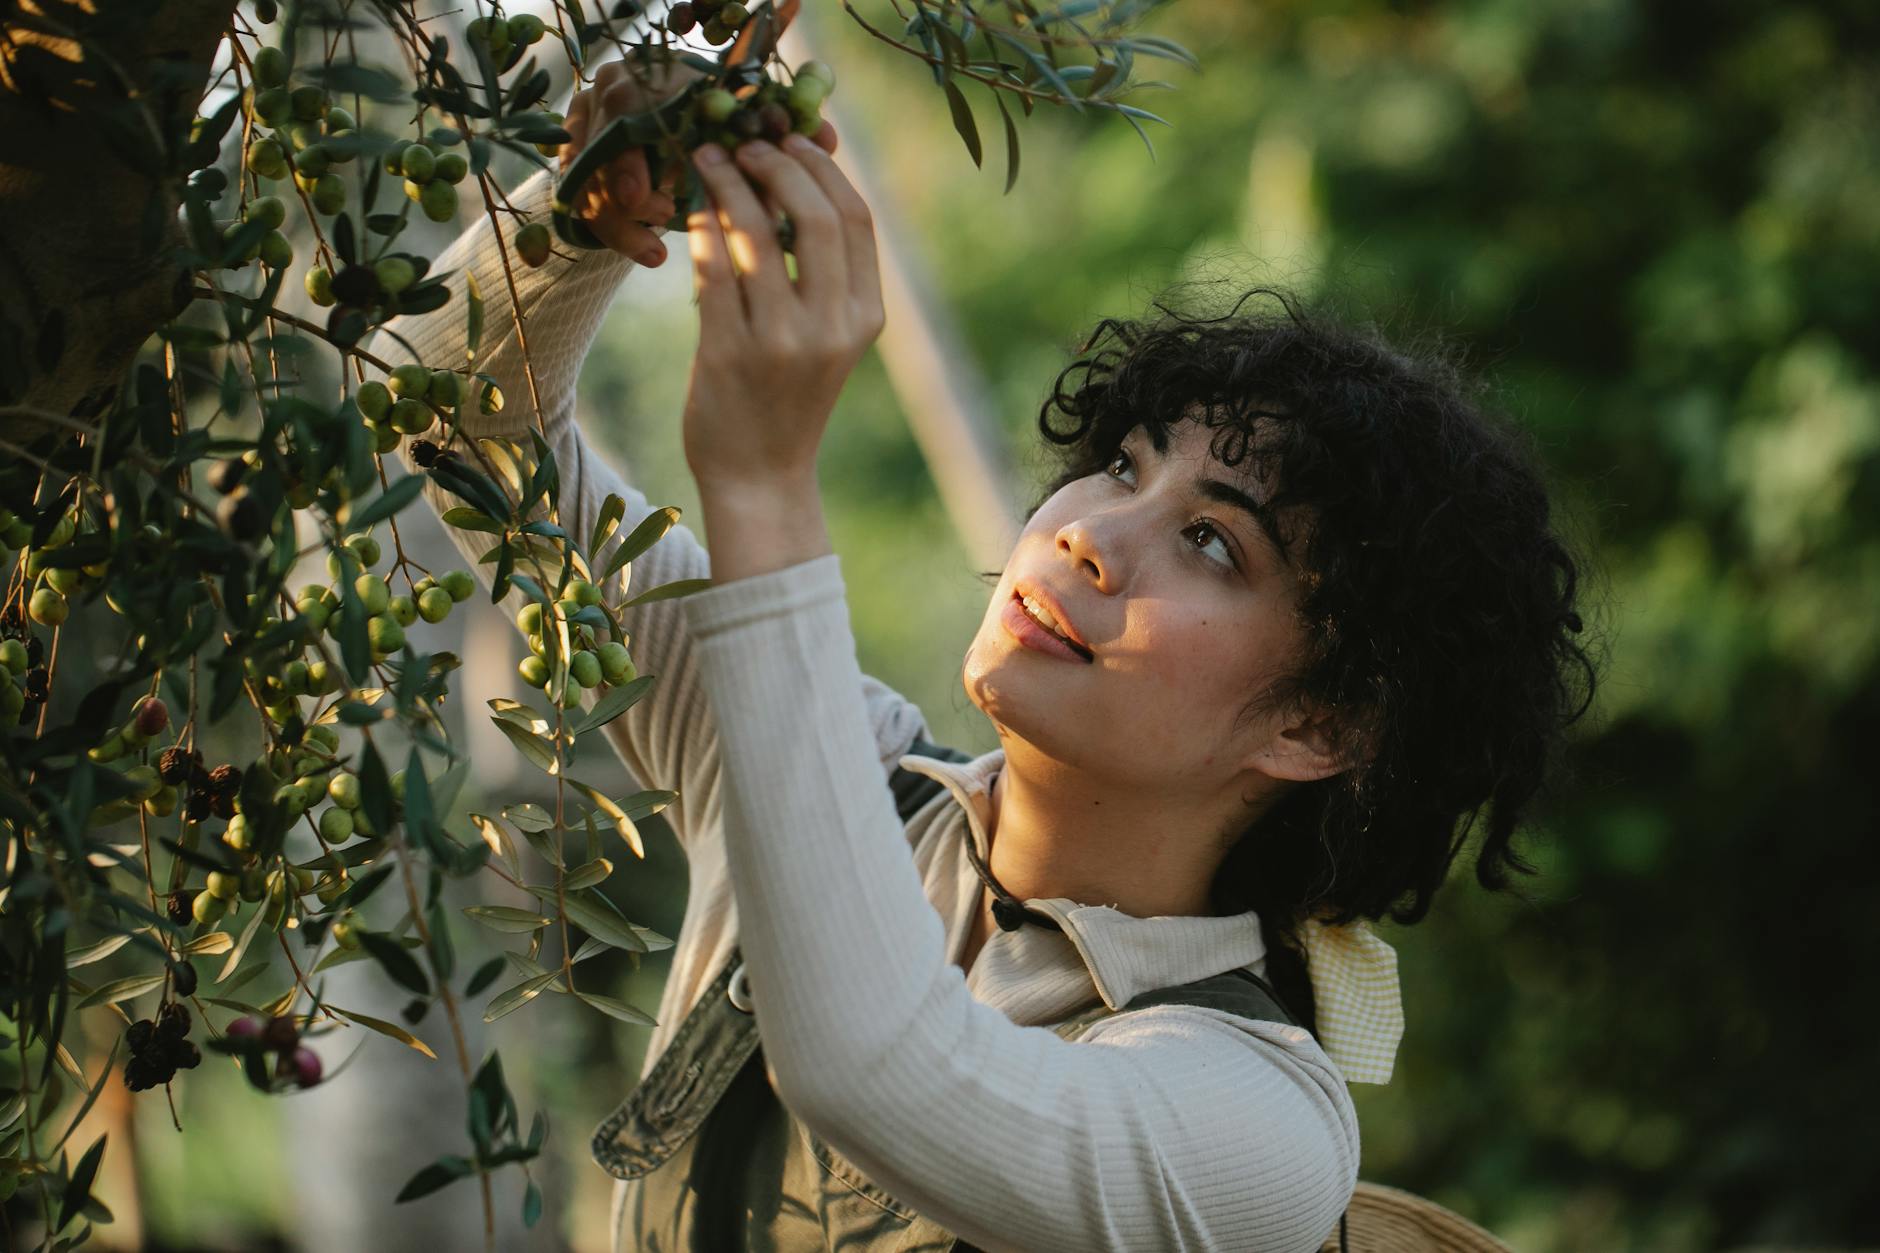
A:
(822, 267)
(658, 209)
(826, 137)
(750, 237)
(721, 307)
(576, 125)
(856, 224)
(629, 238)
(627, 180)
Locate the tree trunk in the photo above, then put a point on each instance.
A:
(95, 102)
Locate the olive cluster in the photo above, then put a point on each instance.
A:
(412, 399)
(756, 106)
(307, 138)
(159, 1049)
(504, 38)
(53, 584)
(23, 680)
(589, 665)
(717, 20)
(281, 1037)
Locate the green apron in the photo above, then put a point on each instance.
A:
(720, 1165)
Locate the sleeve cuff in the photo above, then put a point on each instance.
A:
(779, 594)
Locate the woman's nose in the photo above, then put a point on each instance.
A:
(1089, 543)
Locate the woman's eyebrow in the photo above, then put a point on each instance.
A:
(1227, 494)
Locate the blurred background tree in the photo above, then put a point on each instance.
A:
(1656, 230)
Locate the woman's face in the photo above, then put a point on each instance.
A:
(1186, 606)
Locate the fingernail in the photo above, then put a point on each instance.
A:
(652, 256)
(797, 143)
(709, 154)
(755, 148)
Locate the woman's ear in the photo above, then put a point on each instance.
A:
(1304, 747)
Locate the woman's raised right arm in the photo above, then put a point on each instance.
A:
(668, 739)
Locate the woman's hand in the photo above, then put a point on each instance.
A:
(618, 203)
(773, 354)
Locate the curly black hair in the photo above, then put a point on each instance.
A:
(1438, 601)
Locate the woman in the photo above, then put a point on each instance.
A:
(1291, 616)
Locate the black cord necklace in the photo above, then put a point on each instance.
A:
(1007, 910)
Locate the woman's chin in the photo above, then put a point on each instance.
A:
(1013, 695)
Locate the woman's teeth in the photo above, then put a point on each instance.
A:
(1043, 617)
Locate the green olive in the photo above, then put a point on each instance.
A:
(276, 252)
(616, 662)
(534, 671)
(13, 653)
(446, 388)
(434, 604)
(300, 135)
(451, 167)
(372, 593)
(329, 194)
(308, 101)
(269, 210)
(366, 548)
(64, 579)
(338, 119)
(413, 381)
(524, 29)
(395, 274)
(533, 244)
(270, 67)
(385, 435)
(417, 163)
(272, 106)
(312, 162)
(144, 782)
(47, 607)
(818, 69)
(439, 201)
(529, 618)
(225, 885)
(319, 283)
(585, 668)
(404, 610)
(461, 585)
(411, 417)
(385, 634)
(336, 826)
(209, 908)
(374, 400)
(717, 105)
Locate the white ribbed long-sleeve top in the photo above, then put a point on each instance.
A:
(1171, 1128)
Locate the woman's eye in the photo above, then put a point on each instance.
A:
(1226, 552)
(1200, 524)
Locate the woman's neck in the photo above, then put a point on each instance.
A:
(1056, 832)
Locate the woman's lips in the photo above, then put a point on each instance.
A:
(1028, 632)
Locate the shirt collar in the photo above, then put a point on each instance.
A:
(1353, 970)
(1125, 955)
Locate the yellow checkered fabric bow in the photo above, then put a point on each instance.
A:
(1360, 1009)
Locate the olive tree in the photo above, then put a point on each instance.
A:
(168, 443)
